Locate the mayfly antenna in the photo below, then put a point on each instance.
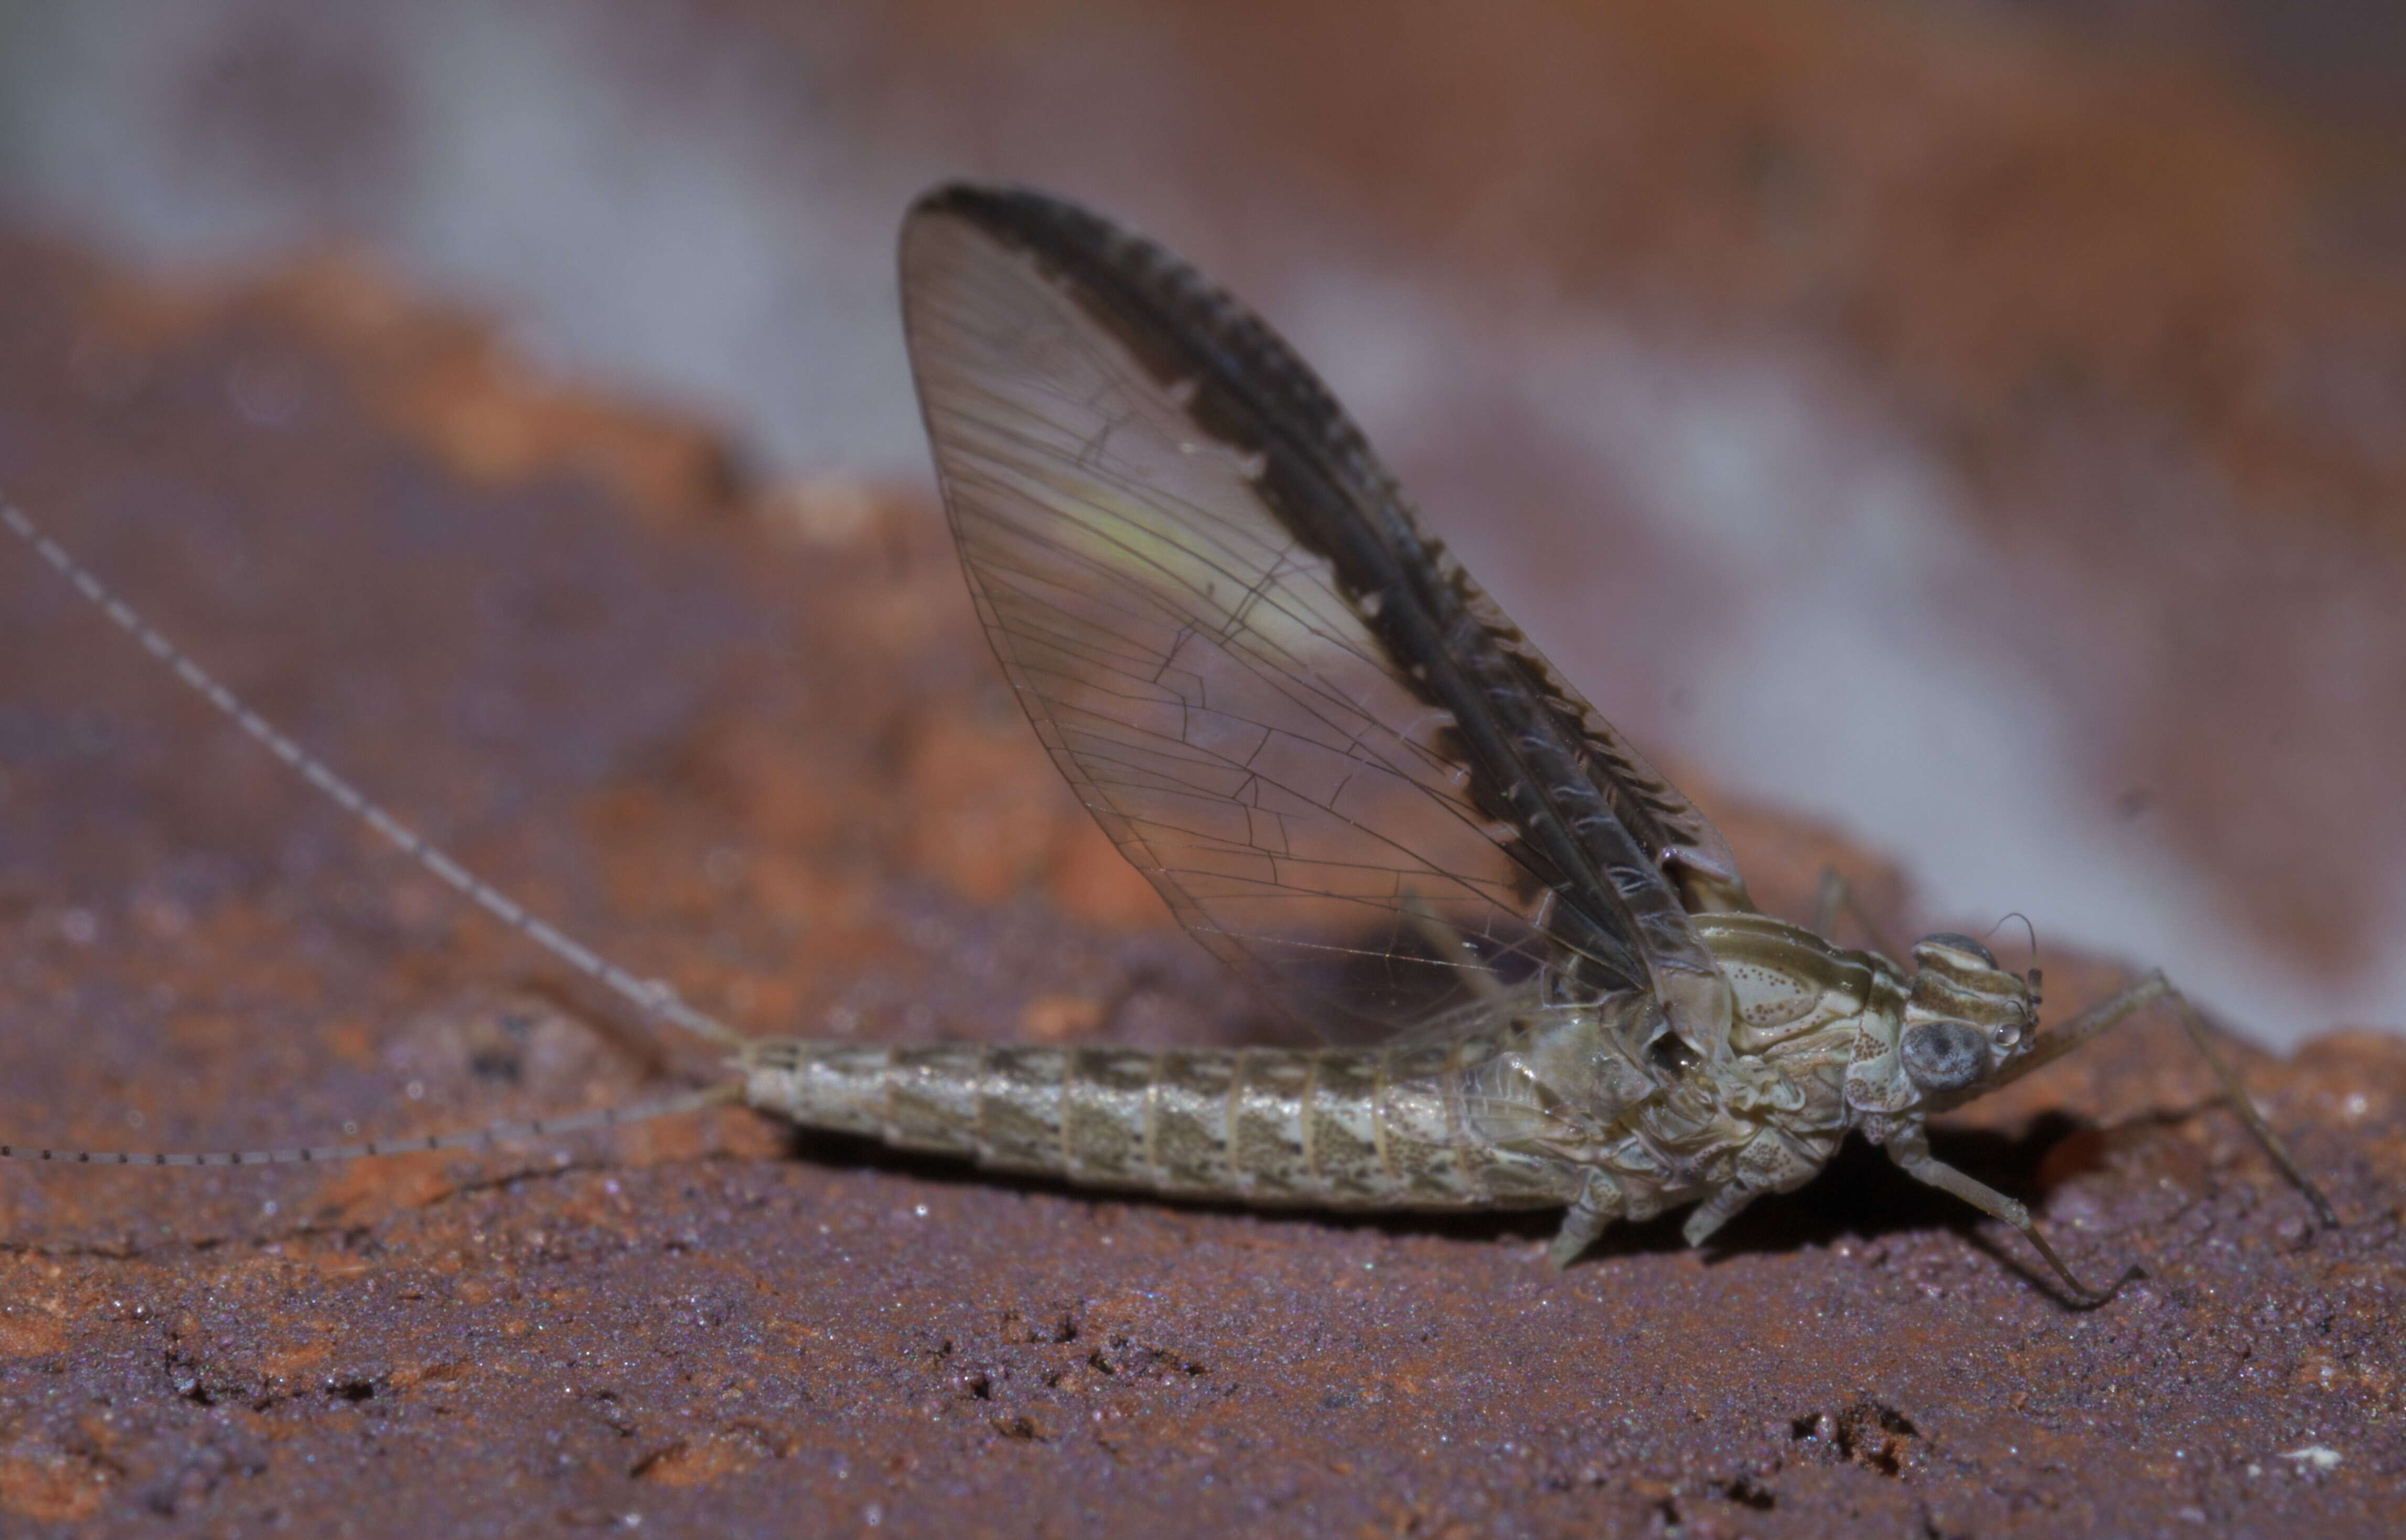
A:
(2028, 928)
(654, 998)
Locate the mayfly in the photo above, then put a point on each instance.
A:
(1354, 780)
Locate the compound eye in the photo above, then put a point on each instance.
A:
(1944, 1056)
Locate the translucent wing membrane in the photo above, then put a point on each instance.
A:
(1344, 769)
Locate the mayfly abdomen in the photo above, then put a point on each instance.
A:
(1328, 1129)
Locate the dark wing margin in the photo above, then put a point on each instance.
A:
(1286, 702)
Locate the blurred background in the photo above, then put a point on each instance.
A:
(1979, 426)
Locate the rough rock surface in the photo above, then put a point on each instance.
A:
(753, 744)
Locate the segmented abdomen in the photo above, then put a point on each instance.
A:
(1335, 1129)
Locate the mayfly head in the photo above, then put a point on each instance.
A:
(1967, 1020)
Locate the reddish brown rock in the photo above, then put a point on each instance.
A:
(776, 766)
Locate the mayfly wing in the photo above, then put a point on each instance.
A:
(1285, 703)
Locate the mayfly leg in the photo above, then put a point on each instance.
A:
(1912, 1154)
(2114, 1010)
(1837, 899)
(1914, 1157)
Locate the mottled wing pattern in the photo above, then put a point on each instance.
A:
(1286, 703)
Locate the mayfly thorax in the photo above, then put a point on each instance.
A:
(1354, 781)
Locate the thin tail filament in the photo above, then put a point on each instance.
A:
(490, 1136)
(652, 996)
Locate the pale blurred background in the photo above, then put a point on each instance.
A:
(1981, 427)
